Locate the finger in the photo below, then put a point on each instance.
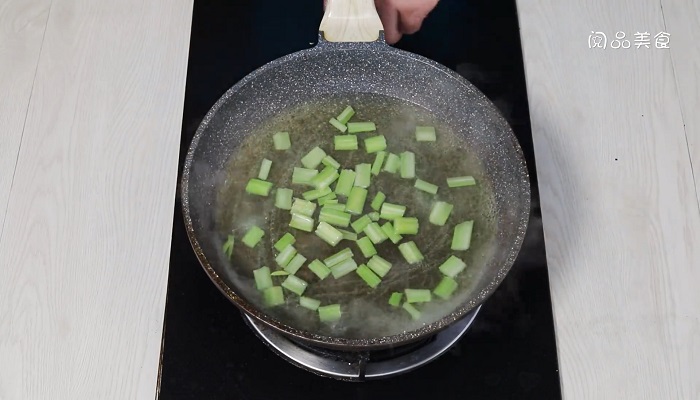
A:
(390, 19)
(412, 15)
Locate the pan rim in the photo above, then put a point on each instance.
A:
(522, 218)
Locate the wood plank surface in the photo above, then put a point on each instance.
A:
(85, 249)
(620, 212)
(22, 26)
(682, 19)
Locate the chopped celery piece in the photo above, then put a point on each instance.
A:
(253, 236)
(345, 142)
(379, 265)
(408, 165)
(329, 313)
(392, 211)
(330, 198)
(375, 143)
(316, 194)
(368, 276)
(360, 127)
(410, 252)
(366, 247)
(345, 182)
(296, 263)
(263, 279)
(360, 223)
(273, 296)
(377, 201)
(362, 175)
(445, 288)
(375, 233)
(329, 161)
(228, 246)
(303, 207)
(439, 213)
(406, 225)
(392, 164)
(302, 222)
(356, 200)
(281, 141)
(279, 273)
(347, 235)
(319, 268)
(415, 314)
(462, 238)
(295, 285)
(328, 233)
(374, 216)
(335, 206)
(308, 302)
(283, 198)
(388, 228)
(338, 125)
(459, 181)
(338, 257)
(425, 186)
(345, 116)
(417, 295)
(452, 266)
(313, 158)
(285, 241)
(425, 134)
(325, 178)
(343, 268)
(395, 299)
(303, 176)
(378, 162)
(334, 217)
(265, 167)
(285, 256)
(258, 187)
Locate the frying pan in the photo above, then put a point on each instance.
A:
(352, 64)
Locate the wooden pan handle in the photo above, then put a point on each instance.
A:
(351, 21)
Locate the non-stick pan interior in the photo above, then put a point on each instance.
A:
(398, 91)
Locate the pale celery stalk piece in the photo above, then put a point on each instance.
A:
(440, 213)
(328, 233)
(295, 285)
(295, 264)
(417, 295)
(253, 236)
(408, 165)
(425, 134)
(265, 167)
(363, 175)
(345, 182)
(283, 198)
(281, 141)
(263, 279)
(313, 158)
(338, 125)
(452, 266)
(462, 238)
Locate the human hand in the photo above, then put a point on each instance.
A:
(401, 17)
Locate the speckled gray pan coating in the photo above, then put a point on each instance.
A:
(330, 69)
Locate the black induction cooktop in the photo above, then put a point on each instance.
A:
(210, 350)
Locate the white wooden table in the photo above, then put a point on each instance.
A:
(91, 91)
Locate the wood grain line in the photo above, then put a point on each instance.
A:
(22, 30)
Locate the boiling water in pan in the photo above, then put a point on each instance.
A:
(366, 313)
